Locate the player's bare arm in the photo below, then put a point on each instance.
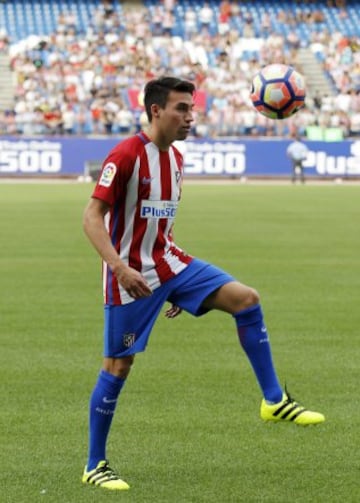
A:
(93, 223)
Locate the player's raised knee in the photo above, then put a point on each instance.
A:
(245, 298)
(233, 297)
(252, 298)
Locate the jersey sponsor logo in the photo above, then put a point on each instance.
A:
(107, 175)
(158, 209)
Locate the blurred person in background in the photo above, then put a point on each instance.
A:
(297, 152)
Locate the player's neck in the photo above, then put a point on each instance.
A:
(158, 139)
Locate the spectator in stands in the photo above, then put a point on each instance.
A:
(96, 114)
(68, 119)
(355, 124)
(168, 22)
(83, 120)
(108, 118)
(248, 29)
(235, 10)
(317, 100)
(169, 5)
(206, 16)
(317, 16)
(53, 120)
(248, 120)
(201, 127)
(125, 120)
(224, 17)
(214, 120)
(111, 55)
(157, 21)
(190, 22)
(265, 24)
(4, 41)
(293, 40)
(70, 20)
(282, 16)
(225, 11)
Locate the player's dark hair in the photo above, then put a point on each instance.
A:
(157, 91)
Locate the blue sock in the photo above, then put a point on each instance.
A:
(102, 408)
(255, 342)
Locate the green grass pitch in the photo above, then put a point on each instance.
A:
(187, 429)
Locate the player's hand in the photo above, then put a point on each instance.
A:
(173, 311)
(134, 283)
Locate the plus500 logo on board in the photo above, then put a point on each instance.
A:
(30, 157)
(335, 165)
(218, 158)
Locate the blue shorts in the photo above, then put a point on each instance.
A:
(127, 327)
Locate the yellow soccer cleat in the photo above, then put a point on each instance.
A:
(104, 476)
(290, 411)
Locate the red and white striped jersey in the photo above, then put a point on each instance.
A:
(142, 185)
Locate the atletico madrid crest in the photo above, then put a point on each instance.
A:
(129, 340)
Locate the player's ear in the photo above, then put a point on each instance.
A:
(155, 110)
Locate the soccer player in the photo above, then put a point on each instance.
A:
(129, 220)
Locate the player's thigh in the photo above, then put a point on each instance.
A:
(193, 285)
(232, 298)
(127, 327)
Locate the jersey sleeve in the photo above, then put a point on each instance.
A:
(116, 171)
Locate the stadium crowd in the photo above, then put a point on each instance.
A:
(90, 82)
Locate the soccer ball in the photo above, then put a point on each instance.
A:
(278, 91)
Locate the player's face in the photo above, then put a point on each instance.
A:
(176, 118)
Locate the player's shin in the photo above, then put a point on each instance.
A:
(102, 407)
(254, 340)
